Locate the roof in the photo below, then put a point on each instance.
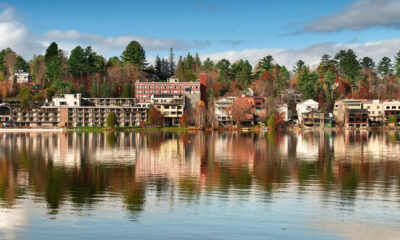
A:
(309, 101)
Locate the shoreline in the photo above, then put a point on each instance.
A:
(171, 129)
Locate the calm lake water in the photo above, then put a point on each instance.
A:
(160, 185)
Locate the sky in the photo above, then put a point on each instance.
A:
(288, 30)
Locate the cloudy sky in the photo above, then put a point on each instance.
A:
(288, 30)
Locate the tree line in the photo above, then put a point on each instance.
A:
(342, 76)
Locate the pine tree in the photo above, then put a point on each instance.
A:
(171, 62)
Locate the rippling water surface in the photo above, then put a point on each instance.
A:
(161, 185)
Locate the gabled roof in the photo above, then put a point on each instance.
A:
(309, 101)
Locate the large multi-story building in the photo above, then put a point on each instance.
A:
(75, 111)
(144, 90)
(70, 110)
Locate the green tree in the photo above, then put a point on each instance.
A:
(126, 91)
(111, 120)
(21, 64)
(83, 91)
(105, 90)
(385, 67)
(25, 95)
(308, 83)
(348, 64)
(266, 63)
(77, 62)
(392, 119)
(53, 62)
(134, 53)
(300, 66)
(271, 122)
(397, 64)
(242, 72)
(208, 65)
(367, 63)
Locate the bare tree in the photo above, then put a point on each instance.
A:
(10, 60)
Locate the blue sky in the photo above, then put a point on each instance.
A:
(214, 28)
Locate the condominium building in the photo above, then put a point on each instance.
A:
(170, 106)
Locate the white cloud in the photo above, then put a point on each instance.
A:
(359, 15)
(312, 54)
(16, 35)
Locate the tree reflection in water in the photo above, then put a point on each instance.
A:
(84, 169)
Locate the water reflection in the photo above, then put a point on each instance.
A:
(81, 171)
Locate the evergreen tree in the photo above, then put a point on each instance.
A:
(157, 67)
(77, 62)
(266, 63)
(367, 63)
(397, 64)
(208, 65)
(197, 60)
(21, 64)
(348, 65)
(126, 92)
(53, 63)
(171, 62)
(134, 53)
(385, 67)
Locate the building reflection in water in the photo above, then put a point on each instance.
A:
(83, 169)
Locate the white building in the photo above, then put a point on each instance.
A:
(305, 107)
(283, 109)
(21, 76)
(375, 110)
(223, 111)
(67, 100)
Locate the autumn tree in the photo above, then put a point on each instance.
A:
(155, 117)
(240, 110)
(10, 60)
(201, 114)
(38, 69)
(184, 120)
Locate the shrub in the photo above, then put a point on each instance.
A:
(111, 120)
(392, 119)
(271, 122)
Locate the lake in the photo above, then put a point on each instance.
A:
(195, 185)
